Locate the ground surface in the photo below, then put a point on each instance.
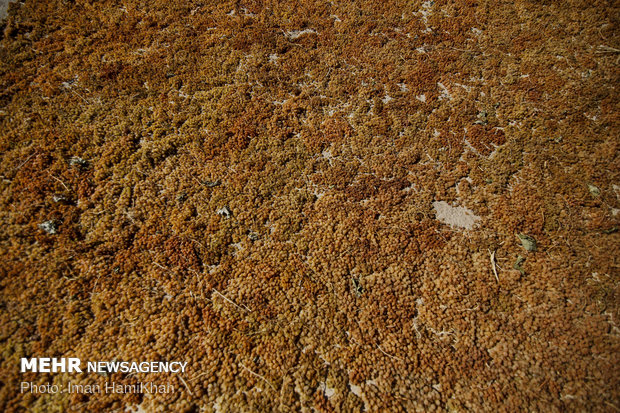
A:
(349, 149)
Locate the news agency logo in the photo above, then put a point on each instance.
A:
(51, 365)
(74, 365)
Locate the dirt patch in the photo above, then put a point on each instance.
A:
(459, 217)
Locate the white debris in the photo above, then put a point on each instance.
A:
(294, 34)
(328, 391)
(224, 211)
(460, 217)
(49, 226)
(445, 93)
(356, 390)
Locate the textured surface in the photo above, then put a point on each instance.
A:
(249, 187)
(4, 4)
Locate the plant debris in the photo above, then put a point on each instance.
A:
(358, 289)
(79, 162)
(594, 190)
(527, 242)
(212, 184)
(224, 212)
(482, 118)
(494, 265)
(182, 197)
(253, 236)
(60, 198)
(517, 265)
(51, 226)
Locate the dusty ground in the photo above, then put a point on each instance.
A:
(373, 164)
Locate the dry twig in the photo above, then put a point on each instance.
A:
(493, 264)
